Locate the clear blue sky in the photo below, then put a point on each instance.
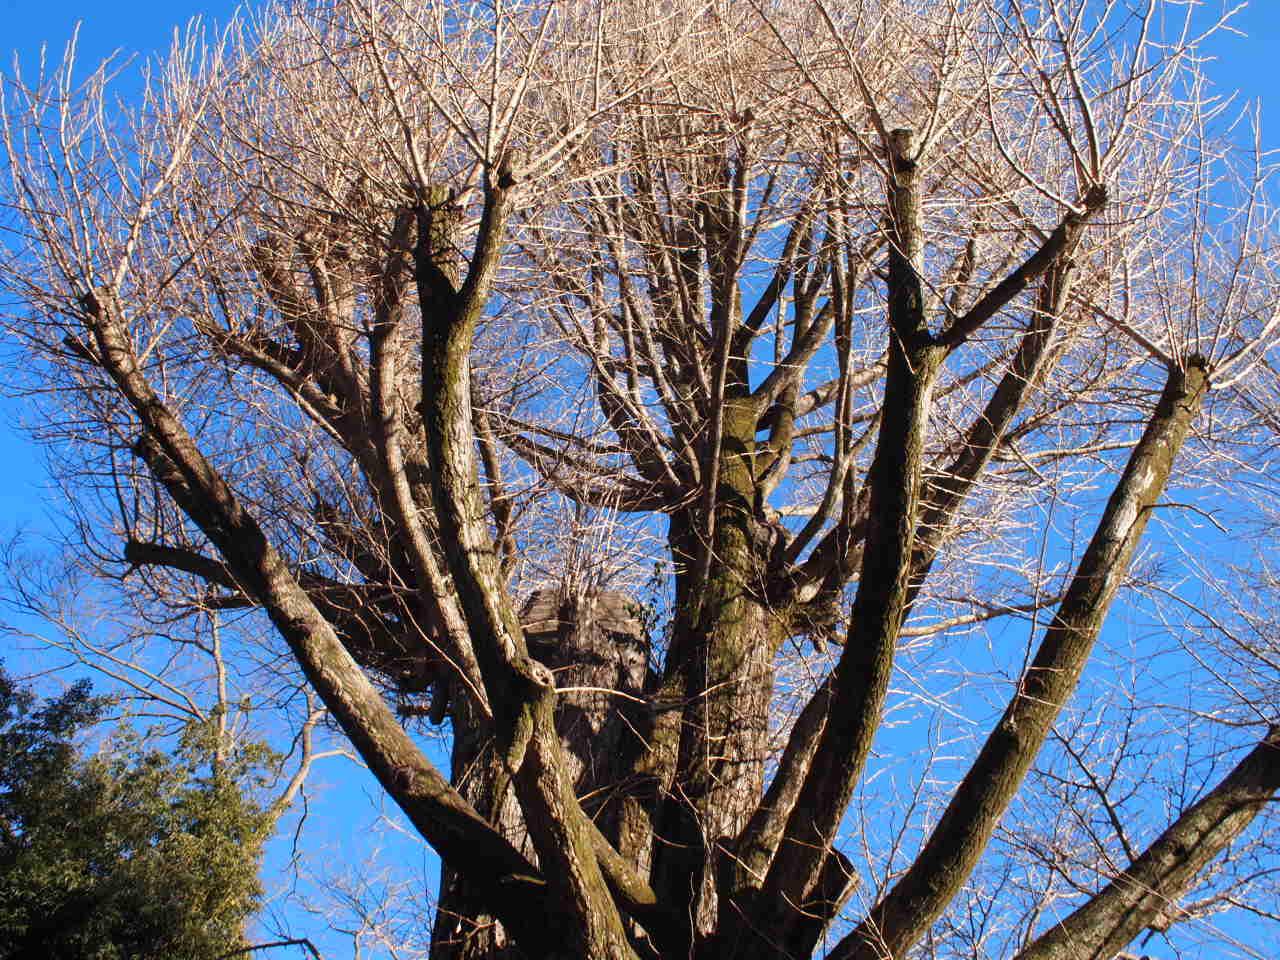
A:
(1244, 63)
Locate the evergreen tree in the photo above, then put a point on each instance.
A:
(130, 852)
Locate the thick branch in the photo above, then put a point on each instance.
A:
(516, 686)
(763, 833)
(1143, 893)
(862, 674)
(384, 356)
(946, 492)
(140, 554)
(1059, 244)
(962, 834)
(510, 883)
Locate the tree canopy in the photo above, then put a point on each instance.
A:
(129, 853)
(899, 339)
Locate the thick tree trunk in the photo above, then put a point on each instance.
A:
(465, 928)
(719, 680)
(595, 648)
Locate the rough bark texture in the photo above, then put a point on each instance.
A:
(719, 677)
(521, 690)
(431, 804)
(1152, 885)
(465, 926)
(956, 843)
(861, 677)
(593, 642)
(586, 641)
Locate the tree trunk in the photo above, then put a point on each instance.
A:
(596, 649)
(719, 682)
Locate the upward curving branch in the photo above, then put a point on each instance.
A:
(521, 690)
(431, 804)
(861, 676)
(960, 837)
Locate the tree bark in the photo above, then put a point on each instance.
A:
(960, 837)
(713, 703)
(1153, 883)
(521, 691)
(861, 677)
(510, 882)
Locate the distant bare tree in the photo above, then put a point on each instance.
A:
(424, 332)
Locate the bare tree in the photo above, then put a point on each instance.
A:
(377, 320)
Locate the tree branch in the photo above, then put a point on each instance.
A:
(512, 885)
(1059, 244)
(520, 690)
(961, 835)
(862, 674)
(1157, 879)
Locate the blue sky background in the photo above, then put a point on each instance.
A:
(1246, 62)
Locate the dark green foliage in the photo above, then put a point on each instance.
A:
(131, 853)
